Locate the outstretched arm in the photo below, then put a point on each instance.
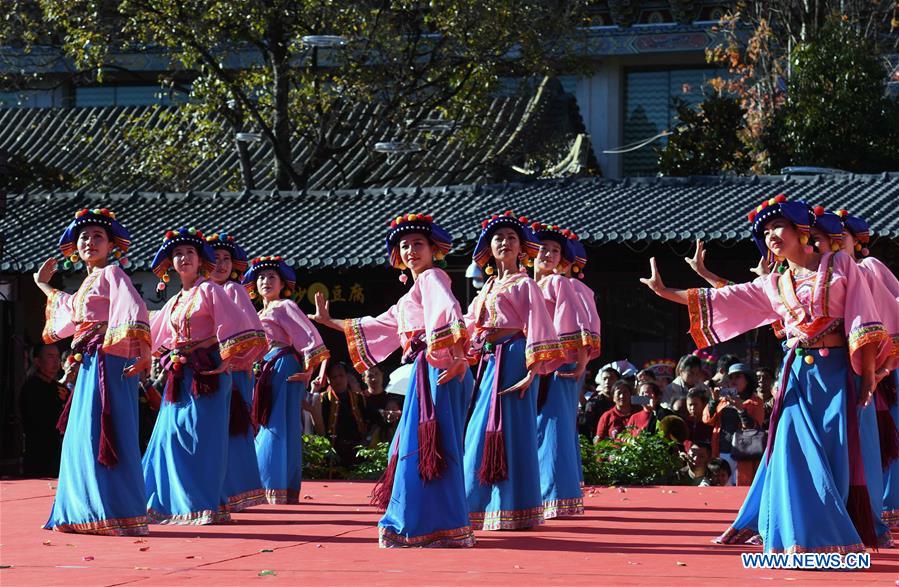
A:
(654, 282)
(323, 314)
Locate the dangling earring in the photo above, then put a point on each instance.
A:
(404, 279)
(806, 247)
(489, 270)
(160, 287)
(234, 275)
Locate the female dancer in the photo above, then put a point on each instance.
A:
(516, 341)
(197, 335)
(558, 446)
(809, 492)
(885, 288)
(100, 490)
(295, 350)
(242, 484)
(423, 490)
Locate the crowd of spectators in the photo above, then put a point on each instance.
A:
(717, 416)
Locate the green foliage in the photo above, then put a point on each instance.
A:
(706, 140)
(372, 461)
(837, 113)
(641, 459)
(246, 68)
(318, 457)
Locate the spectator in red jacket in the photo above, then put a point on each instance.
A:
(647, 418)
(615, 420)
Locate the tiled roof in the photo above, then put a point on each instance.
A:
(346, 228)
(88, 147)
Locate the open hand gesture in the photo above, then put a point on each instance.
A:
(654, 282)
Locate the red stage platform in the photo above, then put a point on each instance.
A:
(651, 535)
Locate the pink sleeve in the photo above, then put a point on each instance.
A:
(303, 335)
(882, 274)
(861, 320)
(238, 339)
(161, 335)
(128, 325)
(444, 326)
(58, 317)
(543, 351)
(569, 316)
(240, 296)
(371, 340)
(718, 314)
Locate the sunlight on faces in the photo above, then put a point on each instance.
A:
(269, 284)
(738, 381)
(782, 238)
(374, 379)
(94, 245)
(695, 406)
(223, 266)
(622, 398)
(186, 261)
(416, 252)
(549, 257)
(505, 245)
(819, 240)
(650, 392)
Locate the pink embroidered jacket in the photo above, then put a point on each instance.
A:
(835, 297)
(429, 308)
(516, 302)
(286, 325)
(885, 290)
(592, 327)
(203, 312)
(105, 296)
(568, 313)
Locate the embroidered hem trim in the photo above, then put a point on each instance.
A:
(132, 332)
(840, 549)
(456, 538)
(507, 519)
(313, 358)
(563, 507)
(49, 335)
(282, 496)
(699, 305)
(543, 352)
(200, 518)
(242, 344)
(355, 342)
(448, 335)
(247, 499)
(866, 334)
(136, 526)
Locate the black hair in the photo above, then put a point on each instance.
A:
(610, 370)
(698, 392)
(647, 372)
(766, 370)
(726, 361)
(716, 465)
(337, 365)
(622, 384)
(652, 386)
(688, 362)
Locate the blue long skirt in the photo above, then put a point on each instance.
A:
(891, 474)
(279, 444)
(92, 498)
(558, 449)
(242, 484)
(186, 459)
(516, 502)
(430, 513)
(870, 446)
(797, 501)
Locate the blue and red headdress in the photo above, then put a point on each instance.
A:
(102, 217)
(859, 229)
(530, 246)
(226, 242)
(416, 223)
(276, 263)
(162, 261)
(555, 233)
(797, 212)
(831, 225)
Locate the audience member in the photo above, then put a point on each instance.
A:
(717, 474)
(599, 402)
(699, 431)
(615, 420)
(41, 400)
(646, 419)
(343, 413)
(689, 374)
